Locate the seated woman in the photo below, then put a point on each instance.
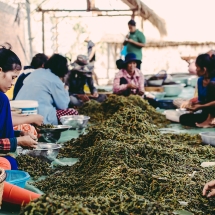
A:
(10, 67)
(45, 85)
(208, 106)
(205, 67)
(129, 80)
(184, 103)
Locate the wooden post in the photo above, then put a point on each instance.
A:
(28, 11)
(142, 24)
(43, 32)
(108, 59)
(88, 5)
(92, 4)
(133, 14)
(115, 53)
(56, 32)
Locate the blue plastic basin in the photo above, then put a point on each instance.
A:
(165, 104)
(17, 177)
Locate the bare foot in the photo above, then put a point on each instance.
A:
(213, 121)
(207, 123)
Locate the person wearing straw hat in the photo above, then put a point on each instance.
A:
(78, 76)
(135, 41)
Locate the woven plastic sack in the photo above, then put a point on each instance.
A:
(3, 176)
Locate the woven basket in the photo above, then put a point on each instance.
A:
(3, 176)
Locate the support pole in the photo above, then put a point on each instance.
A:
(92, 4)
(43, 33)
(108, 59)
(142, 24)
(133, 14)
(88, 5)
(28, 11)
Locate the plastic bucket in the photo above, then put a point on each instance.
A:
(28, 107)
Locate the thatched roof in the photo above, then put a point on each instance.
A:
(148, 14)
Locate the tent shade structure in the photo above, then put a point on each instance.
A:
(137, 7)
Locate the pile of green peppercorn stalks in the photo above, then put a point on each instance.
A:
(127, 166)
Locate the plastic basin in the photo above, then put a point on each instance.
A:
(208, 138)
(173, 90)
(17, 177)
(165, 104)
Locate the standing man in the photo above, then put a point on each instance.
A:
(135, 41)
(91, 50)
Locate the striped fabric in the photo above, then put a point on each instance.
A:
(4, 145)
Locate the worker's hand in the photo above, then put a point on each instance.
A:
(195, 107)
(66, 87)
(25, 133)
(131, 86)
(95, 95)
(213, 122)
(26, 142)
(130, 40)
(141, 93)
(36, 119)
(83, 97)
(209, 187)
(185, 104)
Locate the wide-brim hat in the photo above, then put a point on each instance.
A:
(82, 65)
(131, 57)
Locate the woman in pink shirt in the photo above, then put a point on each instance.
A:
(129, 80)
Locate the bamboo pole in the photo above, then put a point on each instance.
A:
(28, 11)
(43, 31)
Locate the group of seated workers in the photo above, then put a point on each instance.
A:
(57, 89)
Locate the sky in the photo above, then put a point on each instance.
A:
(186, 19)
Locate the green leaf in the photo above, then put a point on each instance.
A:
(182, 212)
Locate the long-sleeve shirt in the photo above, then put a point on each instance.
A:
(76, 83)
(137, 79)
(19, 82)
(202, 90)
(46, 88)
(8, 145)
